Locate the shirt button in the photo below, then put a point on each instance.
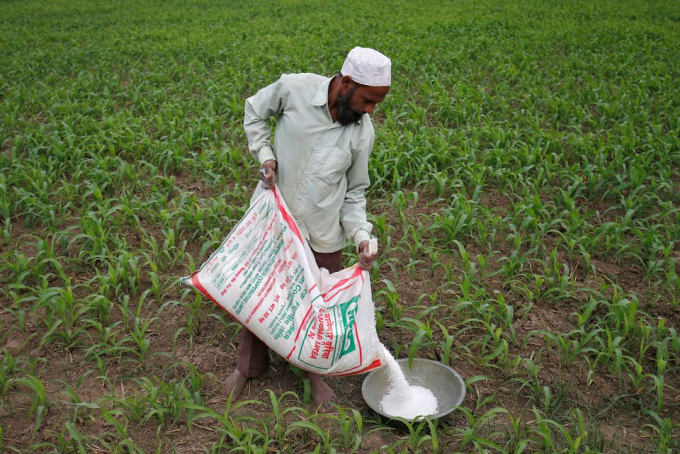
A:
(316, 151)
(306, 174)
(298, 197)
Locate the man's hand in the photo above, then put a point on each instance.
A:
(268, 174)
(366, 260)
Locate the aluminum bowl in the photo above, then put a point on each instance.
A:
(445, 383)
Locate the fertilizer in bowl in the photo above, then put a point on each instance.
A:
(403, 400)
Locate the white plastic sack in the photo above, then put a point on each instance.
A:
(265, 276)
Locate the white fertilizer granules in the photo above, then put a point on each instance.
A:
(402, 399)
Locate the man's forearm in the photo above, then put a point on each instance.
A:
(361, 236)
(265, 104)
(259, 134)
(353, 217)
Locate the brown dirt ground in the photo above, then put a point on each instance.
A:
(213, 351)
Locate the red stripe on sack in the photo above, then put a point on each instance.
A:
(287, 217)
(357, 272)
(198, 286)
(356, 333)
(337, 292)
(301, 325)
(361, 357)
(374, 365)
(304, 319)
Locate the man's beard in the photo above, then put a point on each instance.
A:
(345, 113)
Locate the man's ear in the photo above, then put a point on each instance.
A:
(346, 82)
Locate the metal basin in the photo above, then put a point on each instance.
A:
(444, 382)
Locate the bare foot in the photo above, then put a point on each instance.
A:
(321, 393)
(234, 383)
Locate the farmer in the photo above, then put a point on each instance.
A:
(319, 159)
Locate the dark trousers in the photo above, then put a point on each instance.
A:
(253, 358)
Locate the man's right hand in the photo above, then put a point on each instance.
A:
(268, 174)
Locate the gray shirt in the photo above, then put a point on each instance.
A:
(322, 165)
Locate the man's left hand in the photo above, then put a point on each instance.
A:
(365, 259)
(268, 173)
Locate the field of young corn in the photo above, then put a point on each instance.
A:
(525, 192)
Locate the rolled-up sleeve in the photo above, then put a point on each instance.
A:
(353, 211)
(266, 103)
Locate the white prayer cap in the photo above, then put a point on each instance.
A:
(368, 67)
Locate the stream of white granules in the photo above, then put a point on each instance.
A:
(402, 399)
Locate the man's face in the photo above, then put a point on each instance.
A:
(357, 100)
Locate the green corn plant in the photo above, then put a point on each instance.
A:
(140, 337)
(390, 296)
(63, 317)
(551, 402)
(674, 349)
(559, 281)
(473, 439)
(471, 294)
(423, 337)
(493, 347)
(7, 231)
(100, 307)
(611, 352)
(193, 307)
(39, 405)
(517, 435)
(128, 403)
(456, 220)
(623, 315)
(527, 366)
(400, 201)
(515, 263)
(313, 430)
(76, 401)
(663, 432)
(573, 344)
(120, 437)
(576, 442)
(227, 423)
(504, 315)
(351, 428)
(128, 312)
(382, 230)
(279, 413)
(8, 370)
(93, 238)
(165, 400)
(486, 230)
(446, 344)
(111, 347)
(421, 431)
(196, 381)
(583, 317)
(76, 442)
(637, 377)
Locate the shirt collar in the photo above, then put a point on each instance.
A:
(320, 99)
(321, 96)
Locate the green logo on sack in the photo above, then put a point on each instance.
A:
(348, 311)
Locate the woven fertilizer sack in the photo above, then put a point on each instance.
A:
(265, 276)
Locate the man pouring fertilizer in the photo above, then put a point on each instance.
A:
(319, 161)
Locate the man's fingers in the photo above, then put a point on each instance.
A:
(268, 177)
(366, 261)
